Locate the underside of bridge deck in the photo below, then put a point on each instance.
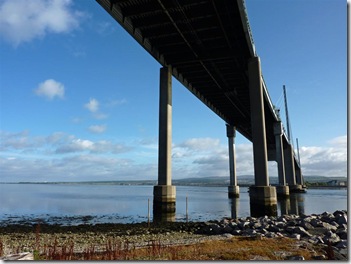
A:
(205, 44)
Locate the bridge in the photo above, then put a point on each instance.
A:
(207, 46)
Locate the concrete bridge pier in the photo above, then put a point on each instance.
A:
(299, 180)
(233, 188)
(289, 165)
(298, 174)
(164, 192)
(234, 205)
(282, 188)
(263, 197)
(289, 162)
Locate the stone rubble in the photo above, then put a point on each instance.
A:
(329, 229)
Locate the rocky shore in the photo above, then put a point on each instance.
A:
(326, 230)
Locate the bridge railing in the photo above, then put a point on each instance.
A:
(269, 100)
(246, 25)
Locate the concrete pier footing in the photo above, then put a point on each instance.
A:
(233, 191)
(164, 199)
(263, 200)
(297, 188)
(282, 191)
(263, 194)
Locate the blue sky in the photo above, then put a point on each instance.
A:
(79, 97)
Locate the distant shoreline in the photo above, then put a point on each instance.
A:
(147, 183)
(327, 187)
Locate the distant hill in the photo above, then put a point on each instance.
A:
(215, 181)
(243, 180)
(313, 178)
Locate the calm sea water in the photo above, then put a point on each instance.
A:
(86, 203)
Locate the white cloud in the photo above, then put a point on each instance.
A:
(326, 161)
(56, 143)
(207, 157)
(24, 155)
(339, 142)
(201, 144)
(112, 103)
(104, 146)
(196, 146)
(23, 20)
(97, 128)
(70, 168)
(50, 89)
(99, 115)
(105, 28)
(201, 157)
(84, 145)
(17, 141)
(76, 145)
(76, 120)
(92, 105)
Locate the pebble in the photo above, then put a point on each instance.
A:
(296, 236)
(295, 258)
(320, 257)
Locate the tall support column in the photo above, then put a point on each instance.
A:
(290, 170)
(164, 192)
(263, 198)
(289, 166)
(233, 188)
(279, 152)
(299, 180)
(258, 123)
(298, 174)
(282, 189)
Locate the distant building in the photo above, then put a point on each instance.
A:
(337, 183)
